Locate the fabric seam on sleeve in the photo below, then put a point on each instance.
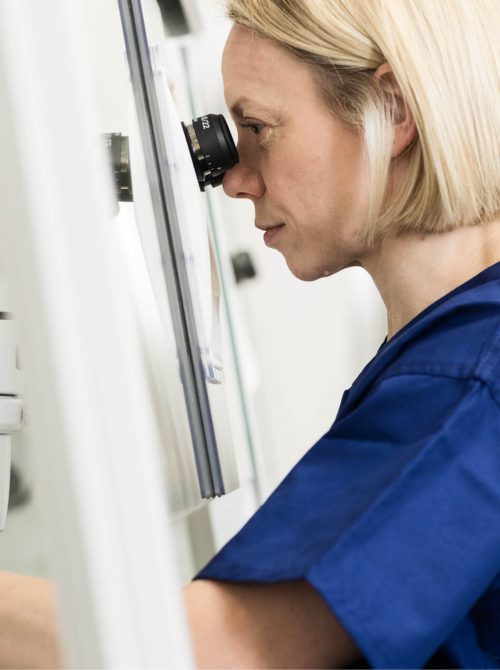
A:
(345, 608)
(425, 369)
(475, 378)
(483, 367)
(419, 373)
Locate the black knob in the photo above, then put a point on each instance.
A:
(19, 494)
(243, 266)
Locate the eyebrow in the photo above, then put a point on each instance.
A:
(237, 108)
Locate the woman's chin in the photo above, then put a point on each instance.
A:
(311, 272)
(305, 273)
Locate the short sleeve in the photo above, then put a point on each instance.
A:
(392, 516)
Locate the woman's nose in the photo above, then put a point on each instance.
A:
(243, 181)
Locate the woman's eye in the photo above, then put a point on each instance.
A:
(256, 127)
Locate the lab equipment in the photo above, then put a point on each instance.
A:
(211, 147)
(177, 249)
(97, 448)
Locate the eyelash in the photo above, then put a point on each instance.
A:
(252, 125)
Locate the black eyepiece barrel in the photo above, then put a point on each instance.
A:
(212, 148)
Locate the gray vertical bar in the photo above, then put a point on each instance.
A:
(172, 253)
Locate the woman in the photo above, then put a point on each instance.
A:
(370, 133)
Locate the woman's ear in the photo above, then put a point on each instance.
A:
(405, 128)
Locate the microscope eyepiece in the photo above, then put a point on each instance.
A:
(212, 148)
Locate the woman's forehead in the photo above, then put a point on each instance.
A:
(257, 72)
(247, 52)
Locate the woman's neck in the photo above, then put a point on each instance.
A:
(413, 271)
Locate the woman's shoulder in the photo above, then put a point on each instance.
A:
(457, 337)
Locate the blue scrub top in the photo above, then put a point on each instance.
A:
(393, 516)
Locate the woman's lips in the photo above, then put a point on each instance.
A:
(271, 233)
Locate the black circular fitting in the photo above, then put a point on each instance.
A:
(211, 147)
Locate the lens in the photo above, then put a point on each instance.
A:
(212, 149)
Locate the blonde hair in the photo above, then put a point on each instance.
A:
(445, 55)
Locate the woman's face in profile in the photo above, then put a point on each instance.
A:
(298, 165)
